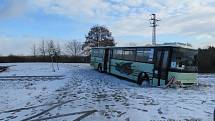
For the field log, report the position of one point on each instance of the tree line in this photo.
(49, 48)
(62, 59)
(50, 51)
(206, 60)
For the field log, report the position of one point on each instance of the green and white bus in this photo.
(156, 65)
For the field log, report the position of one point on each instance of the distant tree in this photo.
(57, 54)
(74, 48)
(34, 50)
(41, 49)
(98, 36)
(51, 50)
(206, 60)
(58, 49)
(50, 47)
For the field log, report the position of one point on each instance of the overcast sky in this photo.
(25, 22)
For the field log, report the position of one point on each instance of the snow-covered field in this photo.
(85, 94)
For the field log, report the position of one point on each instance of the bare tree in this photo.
(74, 47)
(57, 54)
(34, 50)
(58, 49)
(50, 47)
(51, 50)
(42, 50)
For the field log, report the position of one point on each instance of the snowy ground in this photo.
(85, 94)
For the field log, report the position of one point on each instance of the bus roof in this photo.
(156, 46)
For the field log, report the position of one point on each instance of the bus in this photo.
(152, 65)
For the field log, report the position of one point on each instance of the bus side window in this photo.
(92, 52)
(129, 54)
(114, 53)
(117, 53)
(95, 52)
(165, 60)
(100, 53)
(111, 53)
(139, 56)
(145, 55)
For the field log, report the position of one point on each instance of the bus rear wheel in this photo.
(143, 79)
(100, 68)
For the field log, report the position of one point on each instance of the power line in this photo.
(153, 22)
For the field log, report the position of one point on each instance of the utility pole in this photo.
(153, 22)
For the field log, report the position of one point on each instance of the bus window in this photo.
(165, 59)
(184, 60)
(95, 52)
(129, 54)
(145, 54)
(92, 52)
(140, 55)
(158, 59)
(117, 53)
(100, 53)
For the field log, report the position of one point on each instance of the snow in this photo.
(105, 97)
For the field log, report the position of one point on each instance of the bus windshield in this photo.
(184, 60)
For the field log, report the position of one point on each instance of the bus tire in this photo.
(142, 77)
(99, 68)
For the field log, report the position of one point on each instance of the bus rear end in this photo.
(96, 58)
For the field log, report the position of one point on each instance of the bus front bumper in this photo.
(185, 79)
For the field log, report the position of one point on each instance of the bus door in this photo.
(106, 59)
(161, 65)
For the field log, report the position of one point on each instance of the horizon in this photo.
(27, 22)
